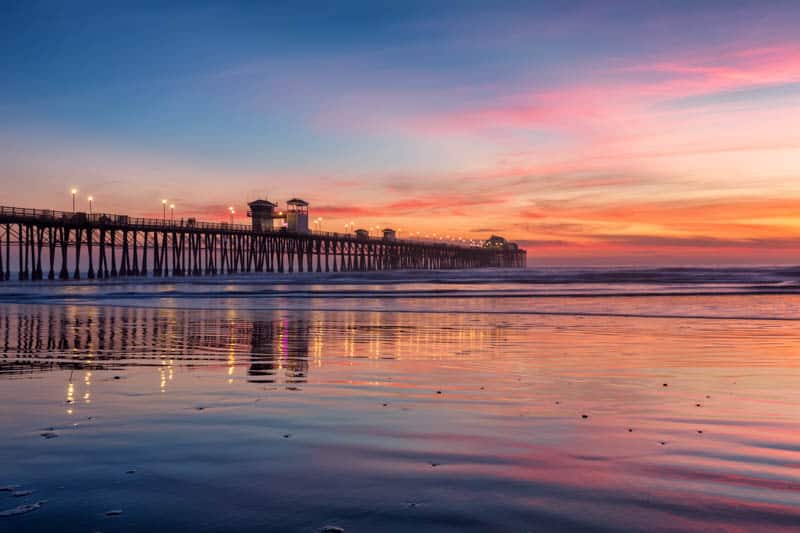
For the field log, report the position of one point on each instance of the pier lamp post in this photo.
(164, 205)
(91, 199)
(172, 212)
(232, 212)
(74, 192)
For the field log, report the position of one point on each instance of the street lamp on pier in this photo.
(232, 213)
(74, 192)
(172, 212)
(91, 199)
(164, 206)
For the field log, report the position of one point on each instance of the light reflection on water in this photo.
(380, 421)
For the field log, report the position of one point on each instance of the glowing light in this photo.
(70, 397)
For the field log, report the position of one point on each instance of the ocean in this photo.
(494, 400)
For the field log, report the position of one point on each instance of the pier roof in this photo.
(262, 203)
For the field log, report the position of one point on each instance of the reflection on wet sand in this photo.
(396, 421)
(275, 347)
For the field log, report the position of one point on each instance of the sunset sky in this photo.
(635, 132)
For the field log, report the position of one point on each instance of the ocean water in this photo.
(537, 400)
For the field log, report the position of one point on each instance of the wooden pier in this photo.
(69, 245)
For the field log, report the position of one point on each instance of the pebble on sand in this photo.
(22, 509)
(662, 442)
(131, 471)
(438, 392)
(117, 377)
(584, 416)
(287, 435)
(49, 434)
(665, 385)
(114, 512)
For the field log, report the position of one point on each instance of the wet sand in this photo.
(133, 418)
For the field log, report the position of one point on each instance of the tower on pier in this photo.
(262, 212)
(297, 215)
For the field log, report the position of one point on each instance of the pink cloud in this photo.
(612, 97)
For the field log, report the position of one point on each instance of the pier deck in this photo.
(55, 244)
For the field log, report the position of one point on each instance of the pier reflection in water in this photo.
(72, 338)
(267, 347)
(382, 421)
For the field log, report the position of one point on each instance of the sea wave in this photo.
(698, 293)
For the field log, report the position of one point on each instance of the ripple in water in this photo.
(368, 419)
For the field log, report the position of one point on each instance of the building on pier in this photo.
(297, 215)
(495, 241)
(500, 243)
(362, 234)
(262, 213)
(389, 234)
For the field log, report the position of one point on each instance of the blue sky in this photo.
(417, 114)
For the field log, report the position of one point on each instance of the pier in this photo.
(62, 245)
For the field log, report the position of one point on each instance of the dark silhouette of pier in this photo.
(68, 245)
